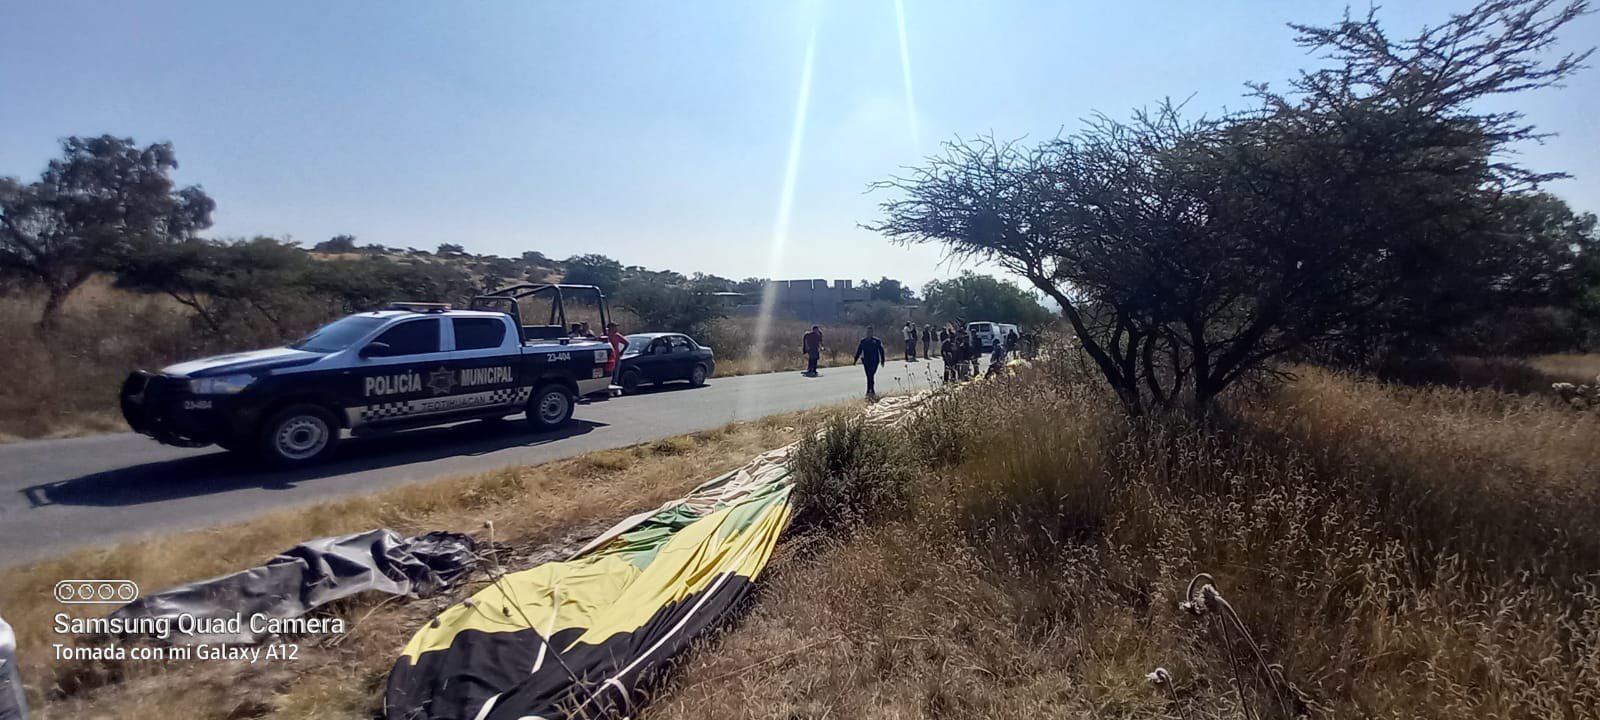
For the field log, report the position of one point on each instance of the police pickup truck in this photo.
(410, 365)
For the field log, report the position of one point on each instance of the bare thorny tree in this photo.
(1185, 254)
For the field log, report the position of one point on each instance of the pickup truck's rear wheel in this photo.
(550, 407)
(298, 435)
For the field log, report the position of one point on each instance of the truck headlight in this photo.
(221, 384)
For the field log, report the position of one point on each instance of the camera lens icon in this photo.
(94, 592)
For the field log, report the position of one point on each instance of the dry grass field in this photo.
(1393, 552)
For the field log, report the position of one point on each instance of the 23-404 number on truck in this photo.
(412, 365)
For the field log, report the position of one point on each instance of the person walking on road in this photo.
(909, 333)
(870, 354)
(927, 341)
(811, 345)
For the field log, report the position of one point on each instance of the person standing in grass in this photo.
(870, 354)
(811, 345)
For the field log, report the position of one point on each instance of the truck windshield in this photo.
(339, 334)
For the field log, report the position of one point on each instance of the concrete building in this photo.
(811, 300)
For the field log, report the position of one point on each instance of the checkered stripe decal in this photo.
(382, 411)
(511, 396)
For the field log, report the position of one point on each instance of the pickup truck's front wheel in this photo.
(298, 435)
(550, 407)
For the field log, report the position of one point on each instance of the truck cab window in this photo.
(413, 337)
(478, 333)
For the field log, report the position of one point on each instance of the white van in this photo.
(985, 333)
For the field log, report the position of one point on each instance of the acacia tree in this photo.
(889, 290)
(664, 304)
(970, 296)
(336, 244)
(103, 201)
(1187, 253)
(220, 281)
(592, 269)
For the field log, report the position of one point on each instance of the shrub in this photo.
(848, 473)
(939, 437)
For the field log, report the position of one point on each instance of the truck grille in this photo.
(144, 398)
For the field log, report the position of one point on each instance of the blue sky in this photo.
(656, 133)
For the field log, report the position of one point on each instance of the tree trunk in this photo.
(1205, 396)
(59, 291)
(277, 324)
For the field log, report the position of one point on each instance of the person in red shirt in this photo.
(619, 345)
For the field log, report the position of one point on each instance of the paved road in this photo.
(59, 495)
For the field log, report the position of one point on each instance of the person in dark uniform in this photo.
(997, 358)
(963, 357)
(927, 341)
(870, 354)
(947, 351)
(811, 345)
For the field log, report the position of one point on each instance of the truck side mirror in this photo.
(374, 348)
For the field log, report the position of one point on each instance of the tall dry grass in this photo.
(1394, 552)
(739, 353)
(66, 382)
